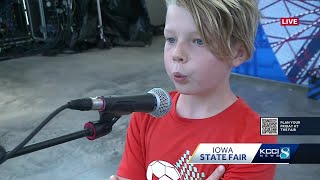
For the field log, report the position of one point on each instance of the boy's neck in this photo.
(205, 105)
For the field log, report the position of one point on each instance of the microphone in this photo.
(156, 102)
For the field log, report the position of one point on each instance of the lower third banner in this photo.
(256, 153)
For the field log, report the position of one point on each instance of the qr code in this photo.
(269, 126)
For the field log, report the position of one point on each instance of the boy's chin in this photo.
(195, 91)
(186, 91)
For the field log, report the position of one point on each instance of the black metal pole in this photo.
(92, 130)
(52, 142)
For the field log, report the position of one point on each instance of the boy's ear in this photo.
(239, 54)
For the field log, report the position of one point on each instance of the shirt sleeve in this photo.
(132, 165)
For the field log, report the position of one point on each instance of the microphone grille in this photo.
(163, 102)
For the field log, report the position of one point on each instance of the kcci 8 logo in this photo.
(282, 153)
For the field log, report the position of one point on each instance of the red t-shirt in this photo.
(167, 143)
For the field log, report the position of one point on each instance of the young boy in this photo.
(205, 39)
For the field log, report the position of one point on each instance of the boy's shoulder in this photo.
(249, 122)
(246, 116)
(241, 111)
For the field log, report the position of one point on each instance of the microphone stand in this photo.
(92, 130)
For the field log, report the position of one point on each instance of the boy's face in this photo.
(188, 62)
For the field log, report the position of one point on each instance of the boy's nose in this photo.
(179, 56)
(179, 59)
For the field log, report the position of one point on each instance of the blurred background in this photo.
(52, 51)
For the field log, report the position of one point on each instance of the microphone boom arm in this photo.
(92, 130)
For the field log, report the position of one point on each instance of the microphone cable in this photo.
(34, 132)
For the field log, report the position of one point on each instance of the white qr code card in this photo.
(268, 126)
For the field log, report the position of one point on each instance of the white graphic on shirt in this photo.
(162, 170)
(180, 171)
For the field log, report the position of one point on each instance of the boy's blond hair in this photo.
(223, 22)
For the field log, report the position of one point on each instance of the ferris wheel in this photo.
(297, 48)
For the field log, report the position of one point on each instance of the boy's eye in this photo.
(171, 40)
(199, 42)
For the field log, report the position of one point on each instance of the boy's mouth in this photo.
(179, 78)
(179, 75)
